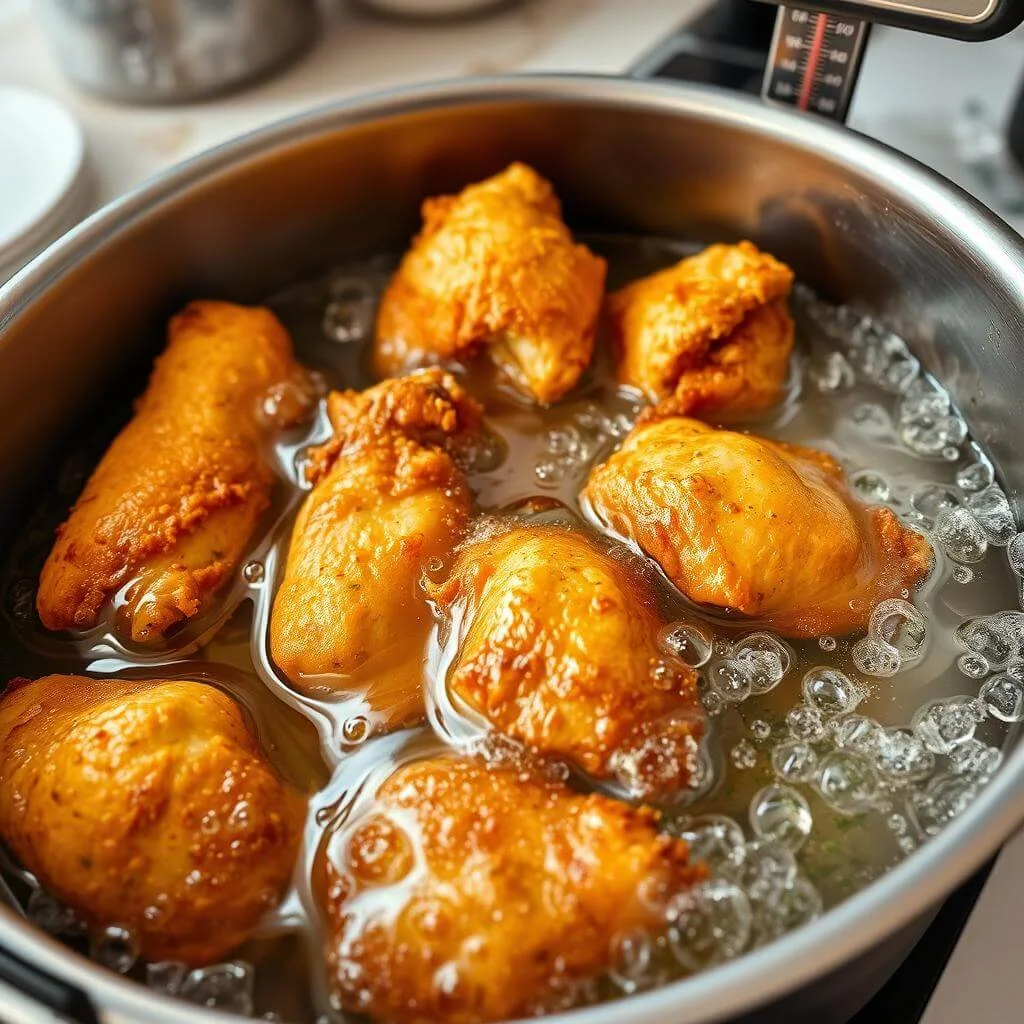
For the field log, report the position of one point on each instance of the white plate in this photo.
(43, 152)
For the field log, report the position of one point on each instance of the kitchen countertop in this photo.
(359, 52)
(356, 52)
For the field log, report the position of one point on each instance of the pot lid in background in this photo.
(43, 180)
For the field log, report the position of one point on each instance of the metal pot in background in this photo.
(170, 51)
(430, 10)
(855, 220)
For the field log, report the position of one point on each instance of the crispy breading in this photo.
(350, 614)
(495, 269)
(560, 652)
(148, 805)
(173, 503)
(757, 526)
(713, 331)
(470, 893)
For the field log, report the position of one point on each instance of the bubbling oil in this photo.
(827, 760)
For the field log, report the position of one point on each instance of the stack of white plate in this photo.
(43, 180)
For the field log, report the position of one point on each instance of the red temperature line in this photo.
(820, 28)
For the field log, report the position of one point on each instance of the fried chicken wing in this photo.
(173, 502)
(470, 893)
(147, 805)
(560, 653)
(495, 268)
(713, 331)
(764, 528)
(388, 497)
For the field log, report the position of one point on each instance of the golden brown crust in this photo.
(429, 409)
(469, 893)
(495, 268)
(713, 331)
(764, 528)
(350, 614)
(560, 653)
(148, 805)
(174, 500)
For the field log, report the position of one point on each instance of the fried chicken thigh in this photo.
(560, 653)
(495, 268)
(713, 331)
(757, 526)
(147, 805)
(388, 497)
(175, 499)
(471, 893)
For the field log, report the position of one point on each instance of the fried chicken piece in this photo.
(350, 614)
(560, 652)
(174, 501)
(148, 805)
(495, 268)
(469, 893)
(713, 330)
(764, 528)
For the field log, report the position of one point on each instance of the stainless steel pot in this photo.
(174, 51)
(854, 218)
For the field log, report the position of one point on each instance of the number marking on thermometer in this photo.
(814, 61)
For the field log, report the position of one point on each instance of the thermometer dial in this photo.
(814, 61)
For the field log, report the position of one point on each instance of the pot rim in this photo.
(864, 919)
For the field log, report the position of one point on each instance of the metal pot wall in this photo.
(854, 219)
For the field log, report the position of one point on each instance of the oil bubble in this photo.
(847, 782)
(688, 642)
(710, 923)
(115, 947)
(227, 986)
(945, 723)
(960, 535)
(902, 756)
(992, 512)
(830, 691)
(972, 665)
(1004, 698)
(857, 733)
(805, 723)
(715, 840)
(899, 624)
(731, 680)
(780, 813)
(744, 754)
(874, 657)
(765, 658)
(795, 761)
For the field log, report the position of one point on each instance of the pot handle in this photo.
(41, 990)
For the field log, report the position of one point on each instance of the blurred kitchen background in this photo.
(65, 149)
(907, 94)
